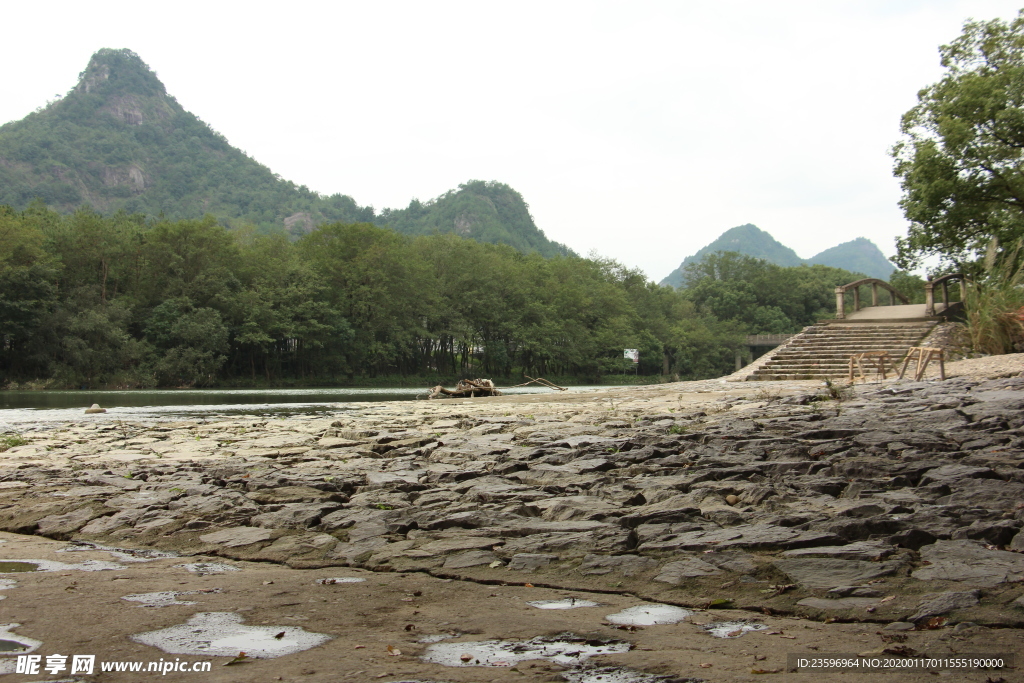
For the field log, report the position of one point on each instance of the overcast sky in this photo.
(636, 130)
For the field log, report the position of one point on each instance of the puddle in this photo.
(123, 554)
(732, 629)
(166, 598)
(222, 634)
(613, 674)
(649, 615)
(567, 603)
(204, 568)
(438, 637)
(339, 579)
(12, 567)
(567, 649)
(13, 643)
(7, 583)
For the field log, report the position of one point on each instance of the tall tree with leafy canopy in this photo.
(961, 159)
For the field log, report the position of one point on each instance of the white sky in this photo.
(639, 131)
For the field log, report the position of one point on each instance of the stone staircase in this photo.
(823, 351)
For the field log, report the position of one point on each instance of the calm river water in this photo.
(21, 410)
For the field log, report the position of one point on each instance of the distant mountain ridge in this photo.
(119, 141)
(858, 256)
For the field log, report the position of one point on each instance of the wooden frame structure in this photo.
(881, 362)
(925, 355)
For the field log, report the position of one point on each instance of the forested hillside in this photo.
(119, 141)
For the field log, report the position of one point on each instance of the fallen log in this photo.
(467, 388)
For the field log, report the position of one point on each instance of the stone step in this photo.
(824, 351)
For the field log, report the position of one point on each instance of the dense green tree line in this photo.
(89, 300)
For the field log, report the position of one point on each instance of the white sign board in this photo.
(631, 354)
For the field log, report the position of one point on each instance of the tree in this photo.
(961, 160)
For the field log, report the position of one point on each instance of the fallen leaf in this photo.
(242, 657)
(393, 651)
(705, 665)
(765, 671)
(406, 599)
(280, 635)
(887, 599)
(359, 647)
(528, 585)
(933, 623)
(760, 658)
(789, 637)
(466, 658)
(496, 563)
(409, 627)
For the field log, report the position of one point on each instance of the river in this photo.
(22, 410)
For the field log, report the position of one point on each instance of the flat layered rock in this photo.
(813, 572)
(970, 563)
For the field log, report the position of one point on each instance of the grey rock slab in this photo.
(853, 592)
(298, 546)
(970, 563)
(731, 561)
(954, 474)
(566, 508)
(627, 565)
(104, 525)
(470, 558)
(237, 536)
(67, 523)
(938, 604)
(838, 603)
(819, 572)
(753, 536)
(691, 567)
(861, 550)
(294, 515)
(291, 494)
(530, 561)
(447, 546)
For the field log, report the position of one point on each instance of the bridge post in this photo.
(856, 299)
(929, 299)
(840, 304)
(874, 294)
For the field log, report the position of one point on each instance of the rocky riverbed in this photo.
(825, 519)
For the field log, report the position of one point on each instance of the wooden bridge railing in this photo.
(929, 291)
(855, 286)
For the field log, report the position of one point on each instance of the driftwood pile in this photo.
(471, 388)
(467, 388)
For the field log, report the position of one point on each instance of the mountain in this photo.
(746, 239)
(858, 256)
(119, 141)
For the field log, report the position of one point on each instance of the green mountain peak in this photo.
(119, 141)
